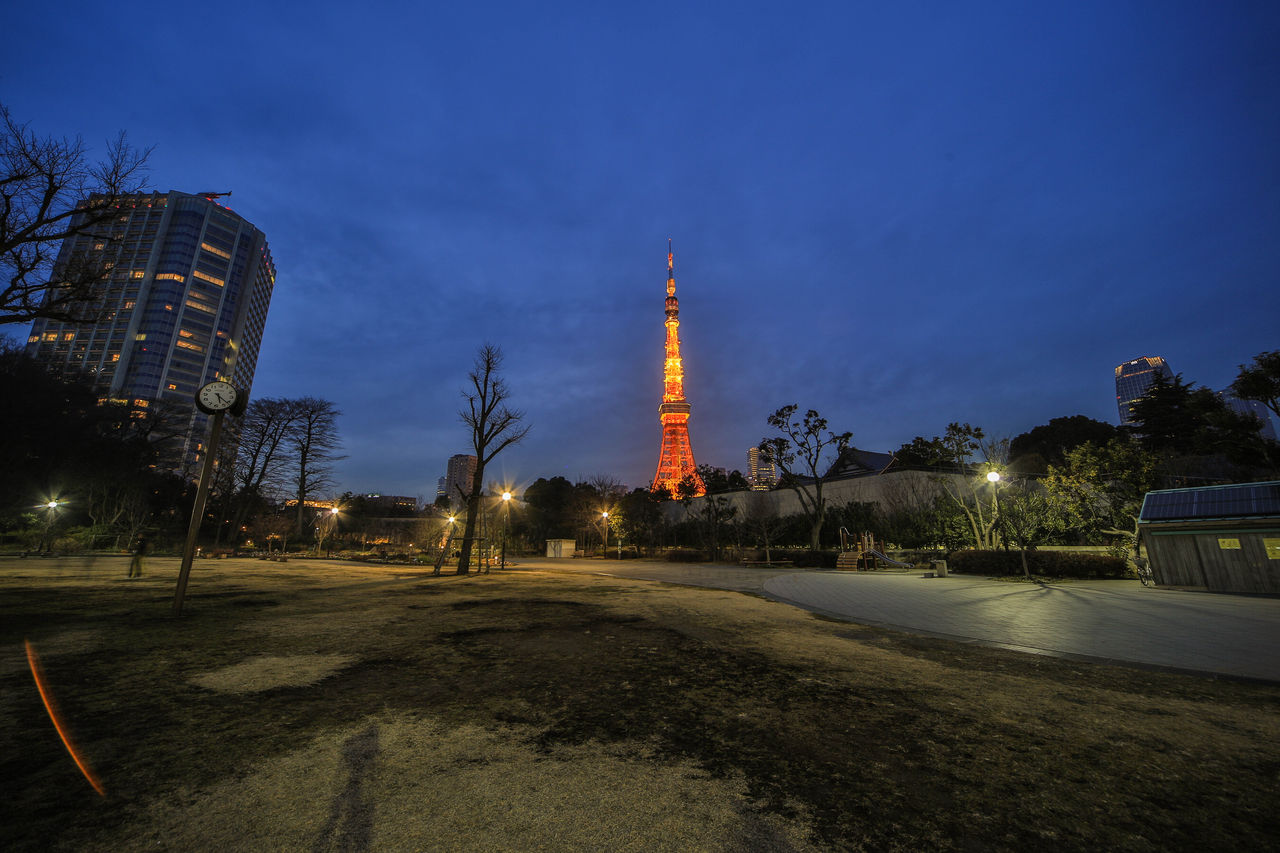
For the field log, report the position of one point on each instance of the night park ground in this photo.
(316, 705)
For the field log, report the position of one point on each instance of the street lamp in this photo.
(444, 547)
(993, 477)
(506, 516)
(51, 512)
(333, 528)
(605, 516)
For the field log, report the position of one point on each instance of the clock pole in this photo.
(197, 512)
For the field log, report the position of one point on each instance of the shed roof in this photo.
(1241, 500)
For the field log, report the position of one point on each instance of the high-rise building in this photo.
(1133, 378)
(458, 477)
(675, 458)
(762, 474)
(1250, 407)
(184, 303)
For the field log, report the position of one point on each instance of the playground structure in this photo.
(864, 553)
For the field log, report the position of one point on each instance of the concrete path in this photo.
(1235, 635)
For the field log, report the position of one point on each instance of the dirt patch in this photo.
(406, 783)
(271, 671)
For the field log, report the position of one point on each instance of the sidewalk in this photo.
(1233, 635)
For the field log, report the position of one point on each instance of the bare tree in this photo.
(494, 427)
(311, 439)
(761, 518)
(804, 456)
(50, 192)
(258, 470)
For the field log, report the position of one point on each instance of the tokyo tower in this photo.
(675, 460)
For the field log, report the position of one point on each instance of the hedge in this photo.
(1053, 564)
(811, 559)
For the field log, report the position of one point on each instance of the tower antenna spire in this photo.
(675, 458)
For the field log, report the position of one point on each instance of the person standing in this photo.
(135, 565)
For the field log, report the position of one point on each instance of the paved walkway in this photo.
(1235, 635)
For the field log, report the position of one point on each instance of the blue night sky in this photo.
(900, 214)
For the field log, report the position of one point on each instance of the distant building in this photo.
(391, 504)
(185, 301)
(441, 488)
(458, 477)
(1133, 378)
(1250, 407)
(860, 463)
(762, 474)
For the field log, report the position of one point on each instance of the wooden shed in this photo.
(1219, 538)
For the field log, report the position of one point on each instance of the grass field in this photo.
(327, 706)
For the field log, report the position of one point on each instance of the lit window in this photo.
(184, 333)
(129, 304)
(190, 346)
(98, 247)
(206, 277)
(215, 250)
(200, 306)
(34, 338)
(137, 274)
(115, 356)
(173, 387)
(141, 404)
(68, 336)
(141, 336)
(171, 276)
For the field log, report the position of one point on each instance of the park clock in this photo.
(220, 396)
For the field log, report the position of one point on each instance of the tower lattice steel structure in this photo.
(675, 460)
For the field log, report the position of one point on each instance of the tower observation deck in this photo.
(675, 459)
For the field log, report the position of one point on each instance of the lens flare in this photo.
(34, 660)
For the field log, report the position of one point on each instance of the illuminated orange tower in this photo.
(675, 461)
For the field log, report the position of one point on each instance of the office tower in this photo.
(442, 488)
(761, 474)
(458, 477)
(184, 302)
(1250, 407)
(1133, 378)
(675, 458)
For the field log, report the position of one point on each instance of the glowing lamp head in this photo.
(452, 519)
(993, 477)
(333, 511)
(506, 496)
(52, 504)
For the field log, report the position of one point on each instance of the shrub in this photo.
(1053, 564)
(685, 555)
(814, 559)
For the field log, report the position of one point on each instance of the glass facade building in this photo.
(1133, 378)
(184, 302)
(1252, 408)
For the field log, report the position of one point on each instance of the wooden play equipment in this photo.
(864, 553)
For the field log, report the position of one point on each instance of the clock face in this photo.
(217, 396)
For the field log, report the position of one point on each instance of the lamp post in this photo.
(332, 529)
(605, 517)
(506, 516)
(51, 512)
(993, 477)
(444, 549)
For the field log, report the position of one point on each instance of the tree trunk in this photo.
(1022, 552)
(473, 513)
